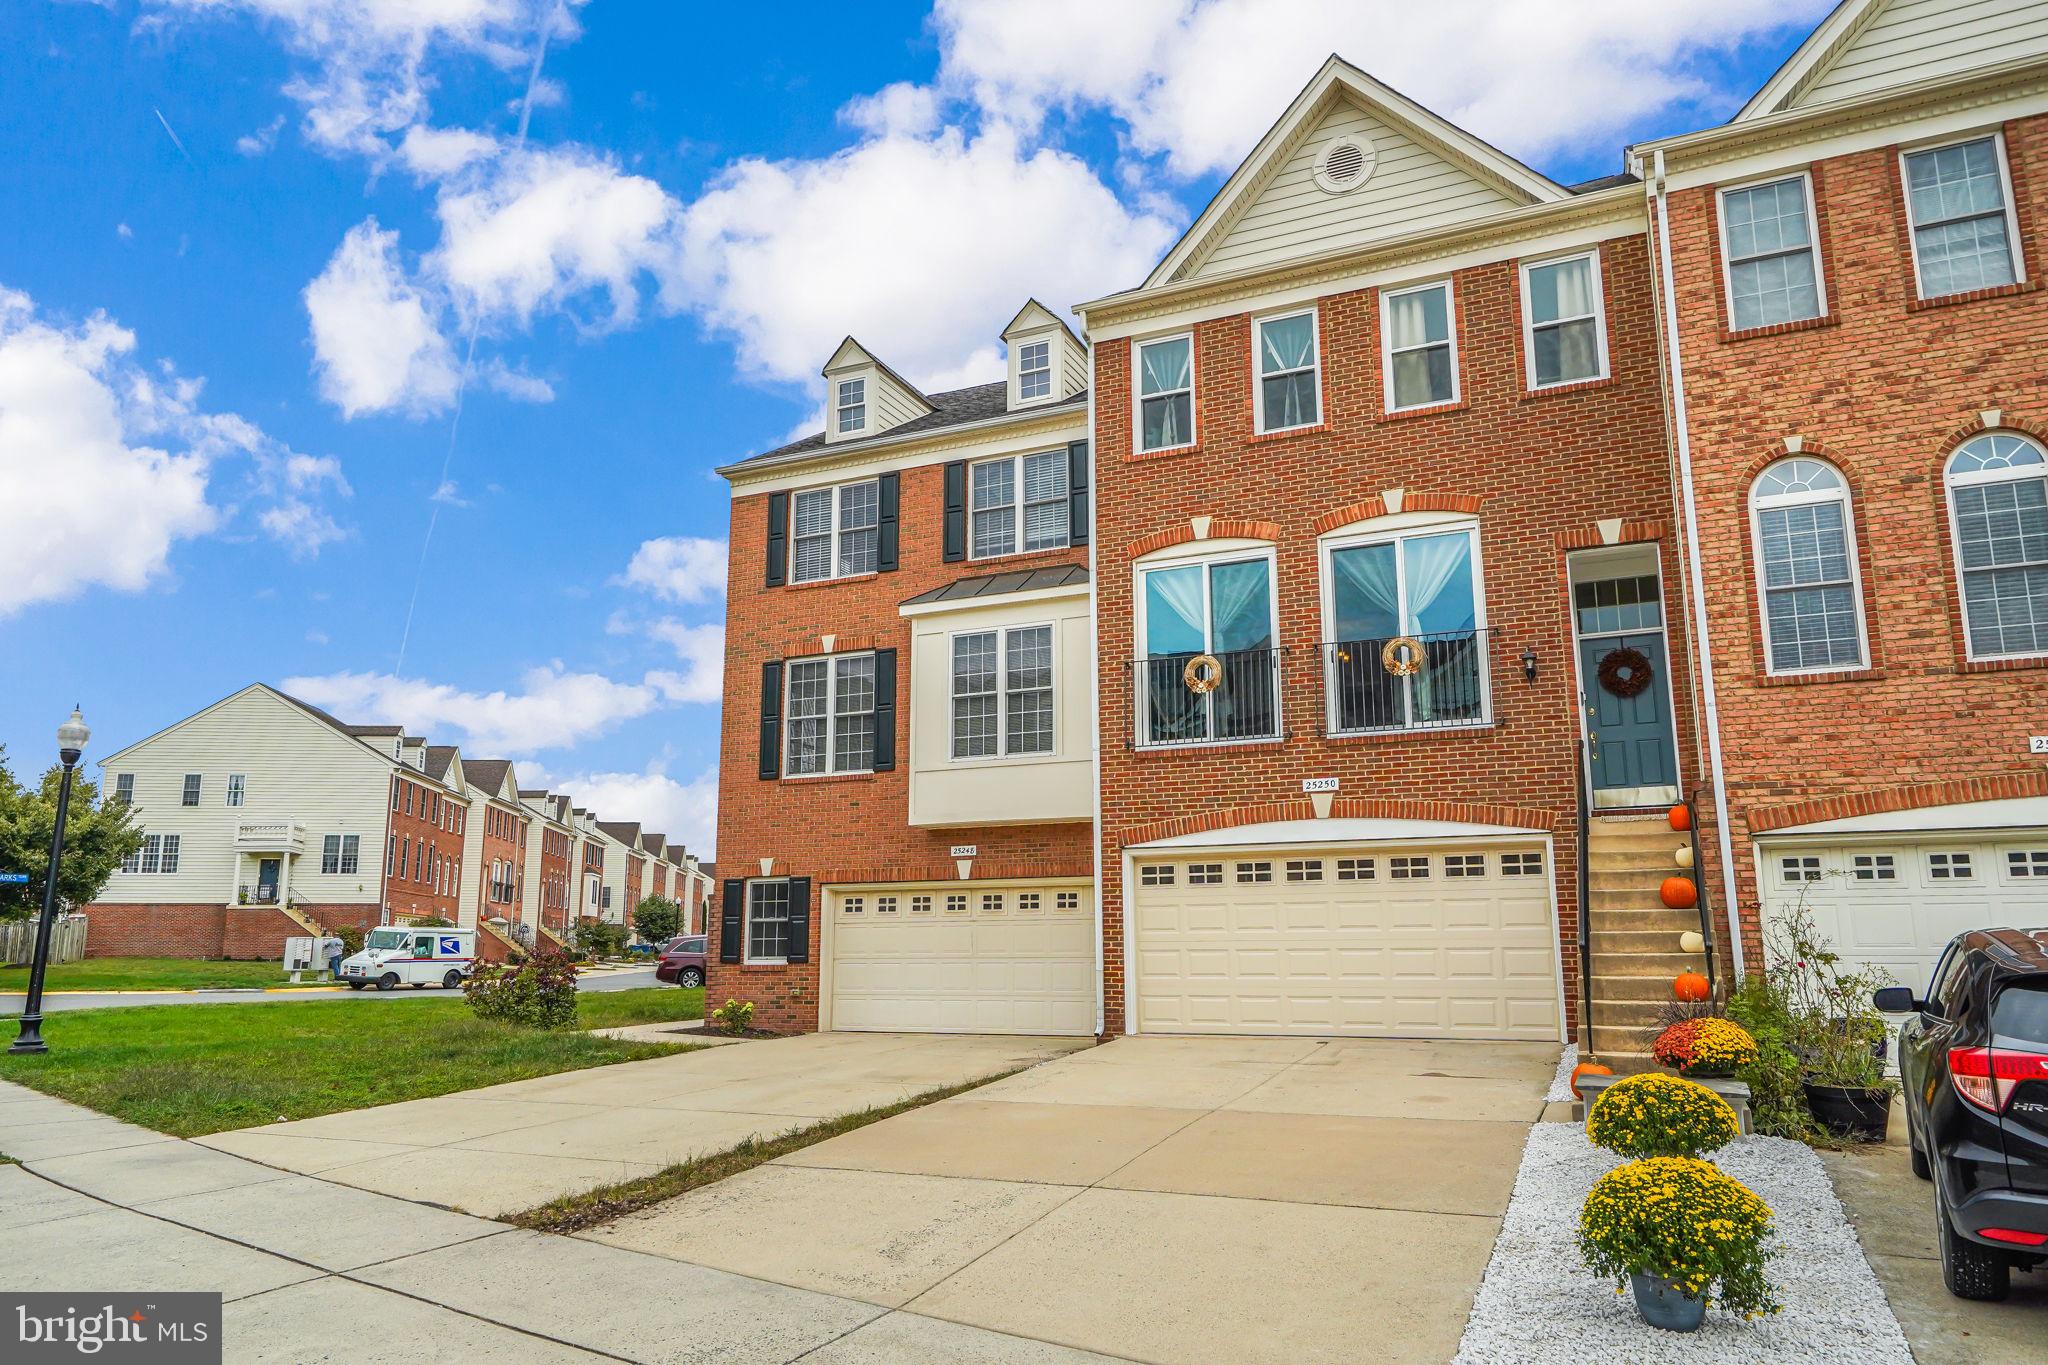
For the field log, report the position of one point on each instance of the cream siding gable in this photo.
(891, 400)
(1881, 44)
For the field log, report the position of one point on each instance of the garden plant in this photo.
(1680, 1223)
(537, 993)
(1706, 1046)
(1654, 1115)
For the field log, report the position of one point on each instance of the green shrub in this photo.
(537, 993)
(734, 1016)
(351, 940)
(1658, 1115)
(1777, 1101)
(658, 919)
(432, 922)
(600, 937)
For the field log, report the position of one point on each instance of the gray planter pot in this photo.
(1664, 1305)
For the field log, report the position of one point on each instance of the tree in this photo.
(658, 919)
(96, 838)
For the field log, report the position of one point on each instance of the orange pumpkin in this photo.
(1690, 987)
(1588, 1069)
(1678, 893)
(1681, 817)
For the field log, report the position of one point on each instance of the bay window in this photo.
(1406, 641)
(1165, 391)
(1998, 514)
(1002, 692)
(1018, 503)
(835, 532)
(1287, 391)
(1210, 670)
(831, 720)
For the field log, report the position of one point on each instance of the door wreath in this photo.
(1202, 674)
(1625, 671)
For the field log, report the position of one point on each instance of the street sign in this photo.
(13, 879)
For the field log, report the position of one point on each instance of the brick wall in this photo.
(502, 843)
(1541, 469)
(438, 829)
(1885, 388)
(250, 932)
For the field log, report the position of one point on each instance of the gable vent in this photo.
(1346, 163)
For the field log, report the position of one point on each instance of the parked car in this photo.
(396, 955)
(682, 961)
(1973, 1062)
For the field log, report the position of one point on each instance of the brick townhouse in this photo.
(1345, 688)
(494, 848)
(550, 844)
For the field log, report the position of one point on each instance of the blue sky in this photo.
(257, 250)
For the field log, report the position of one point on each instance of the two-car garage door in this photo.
(1437, 940)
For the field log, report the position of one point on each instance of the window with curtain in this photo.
(830, 715)
(1002, 692)
(1288, 394)
(1423, 586)
(853, 404)
(1421, 362)
(1768, 241)
(834, 532)
(1562, 301)
(1962, 228)
(1806, 566)
(1224, 608)
(1018, 502)
(1166, 392)
(1998, 513)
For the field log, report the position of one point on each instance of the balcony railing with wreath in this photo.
(1434, 681)
(1222, 698)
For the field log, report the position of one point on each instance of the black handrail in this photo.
(1585, 905)
(1699, 882)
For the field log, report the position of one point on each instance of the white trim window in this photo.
(1287, 392)
(1424, 586)
(236, 789)
(1564, 320)
(1770, 262)
(190, 796)
(1807, 580)
(1017, 503)
(1959, 205)
(834, 532)
(1165, 392)
(1419, 356)
(1034, 371)
(341, 854)
(851, 405)
(767, 936)
(124, 788)
(1998, 515)
(159, 854)
(830, 725)
(1225, 609)
(1003, 693)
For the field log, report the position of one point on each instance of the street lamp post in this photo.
(71, 738)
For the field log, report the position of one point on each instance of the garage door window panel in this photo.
(1804, 539)
(1223, 610)
(1387, 597)
(1998, 505)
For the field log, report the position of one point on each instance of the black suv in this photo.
(1973, 1061)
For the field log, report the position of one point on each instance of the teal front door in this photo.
(1632, 753)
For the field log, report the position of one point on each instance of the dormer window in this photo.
(853, 405)
(1034, 371)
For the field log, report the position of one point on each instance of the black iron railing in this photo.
(1585, 910)
(1434, 681)
(1697, 873)
(1243, 704)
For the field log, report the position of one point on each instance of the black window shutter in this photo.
(888, 503)
(956, 511)
(885, 710)
(1077, 493)
(778, 538)
(771, 720)
(799, 920)
(732, 921)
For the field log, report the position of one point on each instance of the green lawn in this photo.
(195, 1069)
(147, 974)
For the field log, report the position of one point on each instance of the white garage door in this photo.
(962, 959)
(1898, 902)
(1431, 941)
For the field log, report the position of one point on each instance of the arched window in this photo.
(1998, 507)
(1806, 567)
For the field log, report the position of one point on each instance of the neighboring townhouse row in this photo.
(1318, 646)
(264, 817)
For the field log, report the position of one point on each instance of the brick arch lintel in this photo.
(1809, 448)
(1343, 808)
(1411, 501)
(1220, 528)
(1977, 426)
(1920, 796)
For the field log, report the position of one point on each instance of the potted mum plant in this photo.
(1658, 1115)
(1709, 1048)
(1681, 1235)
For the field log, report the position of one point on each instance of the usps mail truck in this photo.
(396, 955)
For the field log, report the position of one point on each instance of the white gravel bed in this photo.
(1539, 1303)
(1561, 1083)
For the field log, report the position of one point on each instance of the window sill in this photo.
(1560, 390)
(2003, 291)
(1426, 410)
(867, 776)
(2002, 665)
(1731, 337)
(1022, 556)
(1134, 455)
(832, 582)
(1203, 745)
(1417, 732)
(762, 962)
(1839, 675)
(1287, 434)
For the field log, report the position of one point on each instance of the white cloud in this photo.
(262, 140)
(431, 153)
(685, 811)
(702, 651)
(377, 344)
(902, 108)
(514, 383)
(552, 708)
(679, 568)
(111, 463)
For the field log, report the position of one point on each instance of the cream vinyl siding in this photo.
(1429, 957)
(1917, 40)
(975, 967)
(295, 768)
(1411, 188)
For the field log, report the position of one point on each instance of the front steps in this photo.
(1633, 936)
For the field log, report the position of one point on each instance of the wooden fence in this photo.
(18, 940)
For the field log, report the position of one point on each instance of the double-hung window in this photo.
(1019, 503)
(834, 532)
(1406, 616)
(351, 854)
(1034, 371)
(1287, 392)
(1960, 209)
(852, 405)
(1806, 567)
(831, 716)
(1421, 359)
(236, 788)
(1566, 337)
(171, 845)
(191, 794)
(1002, 692)
(1210, 671)
(330, 854)
(1166, 392)
(767, 921)
(1998, 512)
(124, 788)
(1767, 240)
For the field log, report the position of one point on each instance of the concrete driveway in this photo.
(1157, 1198)
(506, 1148)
